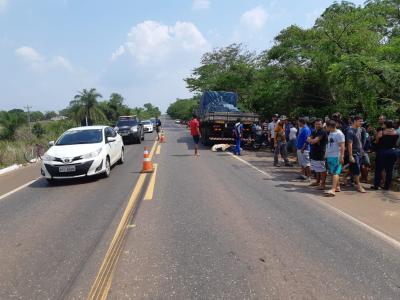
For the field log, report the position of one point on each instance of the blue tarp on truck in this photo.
(218, 102)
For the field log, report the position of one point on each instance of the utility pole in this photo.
(29, 117)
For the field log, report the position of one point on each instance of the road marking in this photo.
(102, 283)
(250, 165)
(18, 188)
(150, 189)
(395, 243)
(152, 150)
(158, 150)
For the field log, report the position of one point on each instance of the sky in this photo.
(51, 49)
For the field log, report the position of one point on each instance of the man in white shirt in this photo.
(271, 130)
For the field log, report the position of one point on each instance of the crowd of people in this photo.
(337, 146)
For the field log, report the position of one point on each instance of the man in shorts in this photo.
(318, 141)
(355, 149)
(303, 150)
(334, 156)
(158, 128)
(194, 125)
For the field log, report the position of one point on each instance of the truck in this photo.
(218, 114)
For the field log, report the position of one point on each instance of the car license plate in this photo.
(124, 133)
(67, 169)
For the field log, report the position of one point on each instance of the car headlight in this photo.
(47, 157)
(92, 154)
(134, 129)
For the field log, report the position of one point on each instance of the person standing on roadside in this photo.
(386, 155)
(271, 131)
(238, 134)
(318, 141)
(335, 156)
(194, 125)
(303, 150)
(280, 145)
(291, 145)
(355, 150)
(158, 127)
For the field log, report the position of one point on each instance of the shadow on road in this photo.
(44, 184)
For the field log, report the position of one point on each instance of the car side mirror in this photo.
(51, 143)
(111, 139)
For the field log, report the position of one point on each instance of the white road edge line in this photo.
(18, 188)
(395, 243)
(250, 165)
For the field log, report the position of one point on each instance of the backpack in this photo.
(235, 131)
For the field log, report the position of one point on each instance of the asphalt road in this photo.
(217, 229)
(54, 237)
(214, 229)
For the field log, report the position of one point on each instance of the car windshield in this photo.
(123, 123)
(74, 137)
(146, 123)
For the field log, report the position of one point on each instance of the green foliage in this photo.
(85, 107)
(349, 61)
(50, 114)
(183, 108)
(38, 130)
(9, 123)
(146, 112)
(36, 116)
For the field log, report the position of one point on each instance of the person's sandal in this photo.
(329, 194)
(361, 190)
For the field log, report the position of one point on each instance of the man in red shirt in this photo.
(195, 132)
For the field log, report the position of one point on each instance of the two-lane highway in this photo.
(208, 227)
(54, 237)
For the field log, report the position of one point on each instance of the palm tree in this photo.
(88, 105)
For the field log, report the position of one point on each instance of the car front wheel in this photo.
(107, 171)
(122, 158)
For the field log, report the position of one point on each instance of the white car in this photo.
(83, 151)
(147, 126)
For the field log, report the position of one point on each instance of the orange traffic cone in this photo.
(162, 138)
(147, 164)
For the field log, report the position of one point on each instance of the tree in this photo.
(225, 69)
(50, 114)
(36, 116)
(10, 122)
(86, 106)
(183, 108)
(38, 130)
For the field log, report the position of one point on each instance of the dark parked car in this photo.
(130, 130)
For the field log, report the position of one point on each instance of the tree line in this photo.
(86, 108)
(349, 61)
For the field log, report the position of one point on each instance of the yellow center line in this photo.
(153, 149)
(152, 183)
(102, 283)
(158, 150)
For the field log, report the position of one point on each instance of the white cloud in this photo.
(254, 19)
(28, 54)
(152, 41)
(120, 51)
(39, 62)
(201, 4)
(3, 5)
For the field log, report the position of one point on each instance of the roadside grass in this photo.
(13, 151)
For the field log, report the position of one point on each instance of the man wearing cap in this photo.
(271, 131)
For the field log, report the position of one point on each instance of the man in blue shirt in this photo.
(238, 134)
(303, 150)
